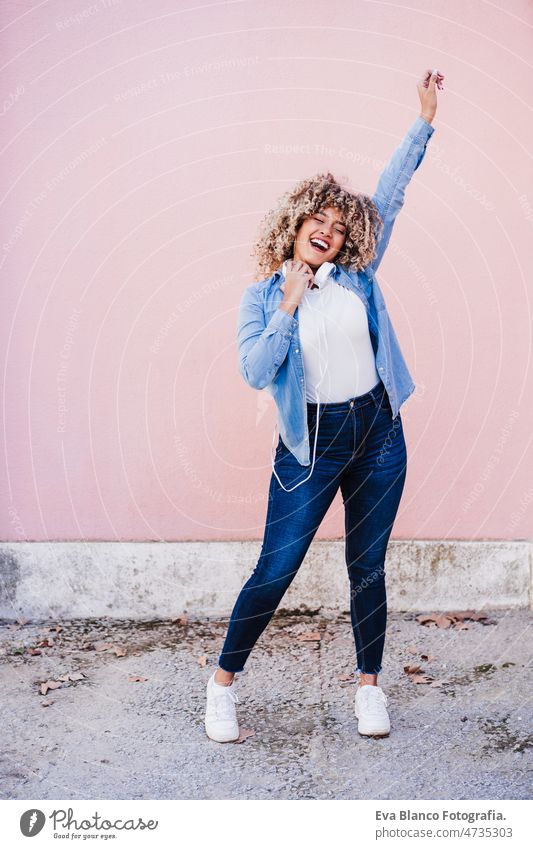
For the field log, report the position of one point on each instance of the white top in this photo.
(338, 357)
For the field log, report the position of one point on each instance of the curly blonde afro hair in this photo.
(280, 225)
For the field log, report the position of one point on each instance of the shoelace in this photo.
(222, 705)
(372, 699)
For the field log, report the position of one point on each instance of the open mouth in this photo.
(319, 245)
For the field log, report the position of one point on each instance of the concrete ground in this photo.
(102, 735)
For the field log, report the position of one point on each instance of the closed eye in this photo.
(322, 222)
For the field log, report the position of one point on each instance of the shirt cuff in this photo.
(283, 321)
(421, 129)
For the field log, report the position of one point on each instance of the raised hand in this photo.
(427, 91)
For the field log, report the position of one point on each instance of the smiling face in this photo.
(320, 237)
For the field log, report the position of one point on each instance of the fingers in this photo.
(429, 74)
(428, 78)
(303, 268)
(298, 265)
(430, 71)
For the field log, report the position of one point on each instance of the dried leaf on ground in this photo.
(44, 686)
(71, 676)
(181, 620)
(454, 618)
(428, 657)
(202, 659)
(424, 618)
(244, 733)
(119, 651)
(417, 674)
(47, 703)
(412, 649)
(463, 614)
(135, 678)
(439, 682)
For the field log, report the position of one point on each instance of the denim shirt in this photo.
(269, 350)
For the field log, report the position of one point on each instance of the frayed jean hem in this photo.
(242, 671)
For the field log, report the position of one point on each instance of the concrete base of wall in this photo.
(49, 580)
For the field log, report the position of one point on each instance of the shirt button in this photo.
(297, 350)
(301, 380)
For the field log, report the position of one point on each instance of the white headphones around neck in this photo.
(320, 277)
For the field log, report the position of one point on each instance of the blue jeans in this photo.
(360, 448)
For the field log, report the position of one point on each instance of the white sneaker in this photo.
(370, 709)
(220, 715)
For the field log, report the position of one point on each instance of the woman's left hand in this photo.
(427, 92)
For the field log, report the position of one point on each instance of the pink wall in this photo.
(141, 147)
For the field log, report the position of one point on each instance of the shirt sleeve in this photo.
(390, 192)
(262, 347)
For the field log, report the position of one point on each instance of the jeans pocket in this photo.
(385, 406)
(280, 449)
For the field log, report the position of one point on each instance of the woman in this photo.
(317, 335)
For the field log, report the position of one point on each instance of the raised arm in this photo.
(390, 193)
